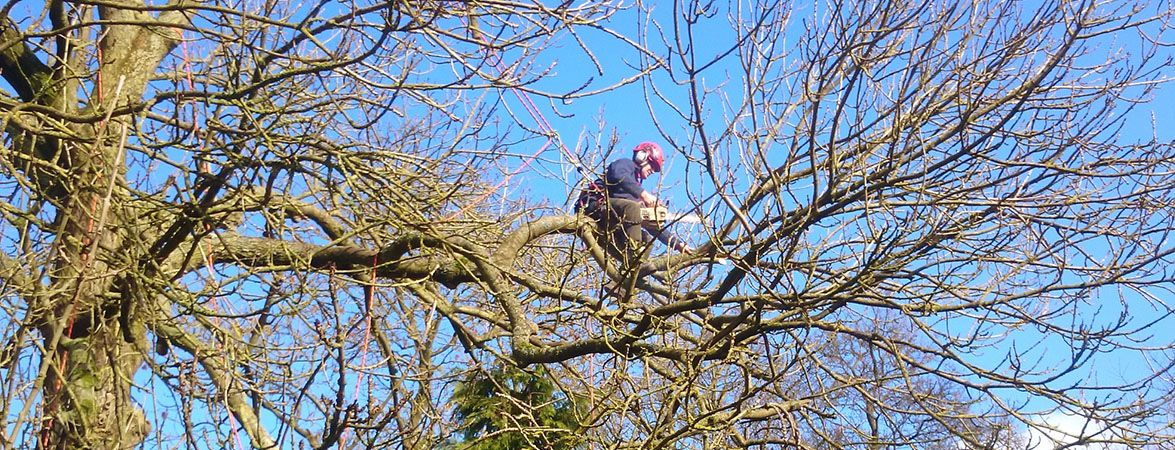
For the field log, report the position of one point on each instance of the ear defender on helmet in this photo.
(649, 152)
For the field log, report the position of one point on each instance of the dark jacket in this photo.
(622, 180)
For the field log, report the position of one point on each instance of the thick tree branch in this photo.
(19, 66)
(253, 252)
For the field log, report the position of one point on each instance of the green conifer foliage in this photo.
(510, 408)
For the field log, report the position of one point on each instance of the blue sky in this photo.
(632, 111)
(629, 113)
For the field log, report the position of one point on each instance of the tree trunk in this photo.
(91, 361)
(87, 393)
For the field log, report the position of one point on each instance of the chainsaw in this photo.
(660, 215)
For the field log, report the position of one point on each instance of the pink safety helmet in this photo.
(648, 151)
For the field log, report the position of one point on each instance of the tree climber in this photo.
(615, 201)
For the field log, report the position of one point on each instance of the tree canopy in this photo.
(319, 224)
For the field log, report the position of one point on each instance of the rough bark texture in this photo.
(74, 148)
(293, 224)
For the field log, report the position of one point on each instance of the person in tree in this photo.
(615, 200)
